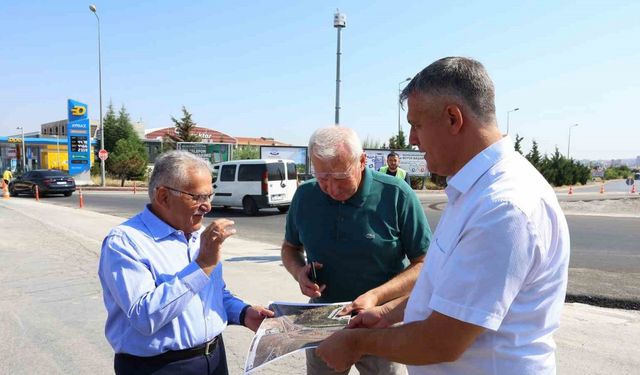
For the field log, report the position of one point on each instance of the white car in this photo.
(254, 184)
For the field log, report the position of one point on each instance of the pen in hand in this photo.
(312, 274)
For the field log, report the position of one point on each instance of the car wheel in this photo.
(249, 206)
(283, 209)
(12, 191)
(68, 193)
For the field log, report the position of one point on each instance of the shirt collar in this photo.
(158, 228)
(467, 176)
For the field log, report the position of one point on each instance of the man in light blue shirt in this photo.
(161, 276)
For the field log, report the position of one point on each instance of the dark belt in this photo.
(177, 355)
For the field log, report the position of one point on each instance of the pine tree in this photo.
(518, 144)
(185, 127)
(534, 156)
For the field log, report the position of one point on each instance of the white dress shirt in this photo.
(499, 259)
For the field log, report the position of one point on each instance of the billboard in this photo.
(411, 161)
(296, 153)
(79, 138)
(212, 152)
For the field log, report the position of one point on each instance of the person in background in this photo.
(392, 168)
(7, 176)
(167, 302)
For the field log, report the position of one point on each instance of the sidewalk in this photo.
(52, 300)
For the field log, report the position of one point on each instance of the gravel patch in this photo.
(623, 207)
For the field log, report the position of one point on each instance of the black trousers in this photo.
(213, 364)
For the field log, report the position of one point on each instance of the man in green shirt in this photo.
(365, 233)
(393, 168)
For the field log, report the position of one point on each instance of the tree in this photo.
(246, 152)
(371, 143)
(185, 127)
(399, 142)
(110, 123)
(128, 160)
(534, 156)
(518, 144)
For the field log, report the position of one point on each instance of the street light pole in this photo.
(569, 144)
(102, 174)
(339, 22)
(513, 110)
(24, 150)
(399, 107)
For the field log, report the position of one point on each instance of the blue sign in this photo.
(79, 137)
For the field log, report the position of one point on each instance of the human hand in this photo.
(255, 315)
(370, 318)
(340, 350)
(211, 240)
(307, 286)
(364, 301)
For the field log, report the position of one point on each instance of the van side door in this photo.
(224, 185)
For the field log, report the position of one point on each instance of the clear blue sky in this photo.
(267, 68)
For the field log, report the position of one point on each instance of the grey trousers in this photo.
(367, 365)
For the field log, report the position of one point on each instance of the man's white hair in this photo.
(325, 143)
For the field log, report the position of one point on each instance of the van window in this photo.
(292, 172)
(250, 172)
(276, 171)
(216, 170)
(228, 173)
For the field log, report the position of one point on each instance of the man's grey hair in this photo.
(173, 168)
(460, 77)
(325, 142)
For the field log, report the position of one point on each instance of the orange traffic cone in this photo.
(570, 189)
(633, 189)
(602, 189)
(81, 199)
(134, 187)
(37, 193)
(5, 191)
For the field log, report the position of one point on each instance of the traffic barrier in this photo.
(633, 189)
(570, 189)
(81, 199)
(602, 189)
(134, 187)
(37, 193)
(5, 191)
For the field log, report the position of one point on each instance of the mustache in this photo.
(201, 211)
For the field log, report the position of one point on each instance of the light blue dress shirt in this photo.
(157, 297)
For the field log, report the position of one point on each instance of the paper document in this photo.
(295, 327)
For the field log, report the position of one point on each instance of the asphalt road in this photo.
(609, 244)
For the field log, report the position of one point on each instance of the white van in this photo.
(254, 184)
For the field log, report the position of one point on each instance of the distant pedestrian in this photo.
(167, 303)
(393, 168)
(7, 176)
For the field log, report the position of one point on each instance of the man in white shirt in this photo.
(490, 294)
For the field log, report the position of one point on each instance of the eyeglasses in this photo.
(198, 198)
(335, 175)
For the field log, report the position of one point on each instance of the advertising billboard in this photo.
(213, 152)
(411, 161)
(296, 153)
(79, 141)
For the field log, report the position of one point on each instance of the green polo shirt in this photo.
(362, 242)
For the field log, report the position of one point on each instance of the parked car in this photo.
(49, 181)
(255, 184)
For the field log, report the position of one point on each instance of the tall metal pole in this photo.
(569, 144)
(102, 172)
(399, 107)
(339, 22)
(24, 151)
(513, 110)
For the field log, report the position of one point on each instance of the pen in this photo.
(312, 275)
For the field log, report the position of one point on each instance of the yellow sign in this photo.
(78, 110)
(14, 140)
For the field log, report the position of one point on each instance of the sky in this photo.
(268, 68)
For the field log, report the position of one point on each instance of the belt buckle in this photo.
(210, 346)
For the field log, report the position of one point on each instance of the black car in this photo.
(49, 181)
